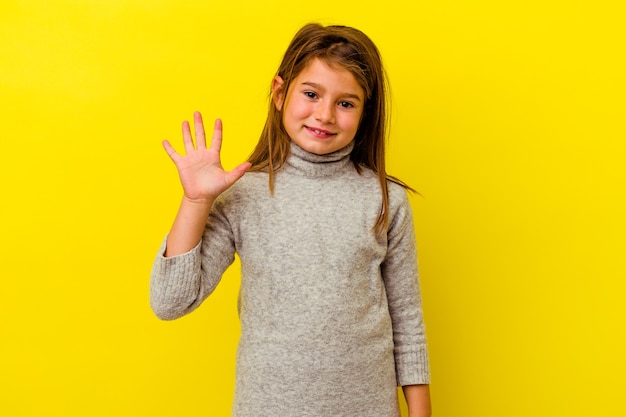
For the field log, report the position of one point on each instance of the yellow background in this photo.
(509, 118)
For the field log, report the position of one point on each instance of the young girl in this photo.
(330, 309)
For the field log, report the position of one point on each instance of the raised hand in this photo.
(200, 170)
(203, 179)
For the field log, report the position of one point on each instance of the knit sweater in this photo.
(331, 317)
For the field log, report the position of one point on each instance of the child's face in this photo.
(322, 109)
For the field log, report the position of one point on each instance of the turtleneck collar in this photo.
(314, 165)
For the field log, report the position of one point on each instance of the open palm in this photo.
(200, 170)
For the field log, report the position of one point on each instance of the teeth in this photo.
(319, 132)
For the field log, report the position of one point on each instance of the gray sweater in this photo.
(331, 317)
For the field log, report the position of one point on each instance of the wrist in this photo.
(198, 202)
(418, 400)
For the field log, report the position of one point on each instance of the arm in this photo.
(189, 265)
(400, 274)
(418, 400)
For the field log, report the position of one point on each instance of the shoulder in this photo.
(397, 194)
(398, 200)
(400, 212)
(251, 182)
(247, 188)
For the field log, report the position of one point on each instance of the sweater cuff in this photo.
(412, 368)
(173, 282)
(183, 265)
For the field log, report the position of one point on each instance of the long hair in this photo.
(344, 48)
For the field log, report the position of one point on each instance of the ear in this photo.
(277, 92)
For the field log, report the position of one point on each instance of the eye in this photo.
(310, 94)
(346, 104)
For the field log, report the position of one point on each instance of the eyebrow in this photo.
(319, 87)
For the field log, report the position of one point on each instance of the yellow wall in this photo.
(509, 118)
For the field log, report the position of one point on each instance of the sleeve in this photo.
(400, 275)
(179, 284)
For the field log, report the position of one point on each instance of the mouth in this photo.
(319, 133)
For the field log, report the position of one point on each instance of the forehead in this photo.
(331, 78)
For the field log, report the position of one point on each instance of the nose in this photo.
(325, 112)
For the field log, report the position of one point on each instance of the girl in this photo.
(330, 308)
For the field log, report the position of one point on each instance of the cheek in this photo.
(351, 122)
(297, 110)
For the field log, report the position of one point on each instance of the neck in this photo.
(314, 165)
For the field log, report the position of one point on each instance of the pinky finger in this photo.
(171, 152)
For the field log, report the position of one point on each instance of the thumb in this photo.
(238, 172)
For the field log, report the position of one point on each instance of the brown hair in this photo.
(346, 48)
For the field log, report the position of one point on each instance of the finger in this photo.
(171, 152)
(199, 128)
(187, 139)
(238, 172)
(216, 141)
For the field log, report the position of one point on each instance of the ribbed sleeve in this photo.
(179, 284)
(400, 275)
(412, 367)
(174, 283)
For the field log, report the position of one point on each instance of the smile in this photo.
(319, 132)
